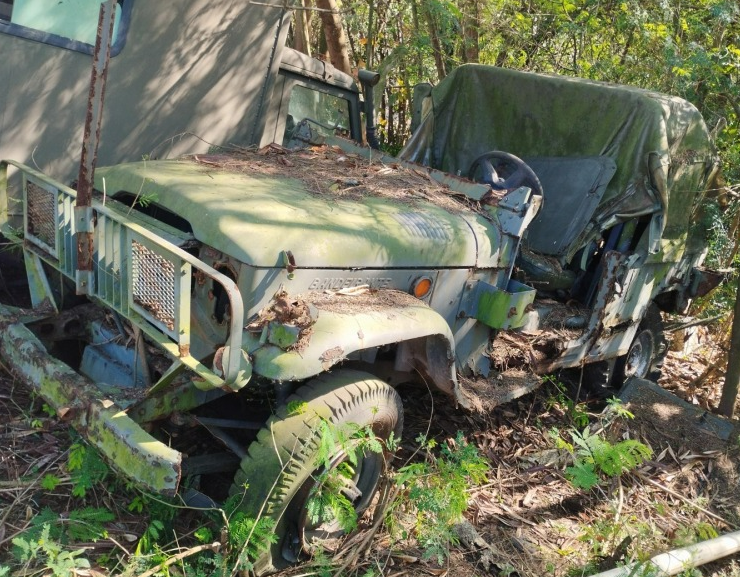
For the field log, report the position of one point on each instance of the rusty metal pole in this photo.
(732, 376)
(91, 138)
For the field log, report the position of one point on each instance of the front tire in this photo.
(281, 467)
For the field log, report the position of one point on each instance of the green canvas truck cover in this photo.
(664, 156)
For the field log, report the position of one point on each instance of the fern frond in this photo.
(87, 524)
(582, 475)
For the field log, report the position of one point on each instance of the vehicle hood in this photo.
(254, 218)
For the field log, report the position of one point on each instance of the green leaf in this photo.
(582, 475)
(76, 456)
(50, 482)
(203, 534)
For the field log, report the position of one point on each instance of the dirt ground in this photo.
(528, 519)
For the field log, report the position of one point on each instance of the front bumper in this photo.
(77, 400)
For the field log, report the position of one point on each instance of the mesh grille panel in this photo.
(42, 214)
(153, 284)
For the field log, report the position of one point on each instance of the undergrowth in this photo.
(429, 494)
(430, 497)
(595, 457)
(49, 554)
(329, 500)
(435, 494)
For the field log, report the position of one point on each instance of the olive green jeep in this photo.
(238, 297)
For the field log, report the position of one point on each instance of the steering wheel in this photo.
(504, 171)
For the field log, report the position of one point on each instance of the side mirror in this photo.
(368, 77)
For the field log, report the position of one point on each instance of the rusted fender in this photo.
(335, 335)
(129, 448)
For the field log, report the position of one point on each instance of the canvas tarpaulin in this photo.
(660, 144)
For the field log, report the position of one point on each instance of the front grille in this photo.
(42, 214)
(153, 284)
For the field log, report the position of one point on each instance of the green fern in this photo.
(327, 501)
(50, 554)
(436, 492)
(576, 412)
(148, 541)
(321, 565)
(595, 456)
(616, 407)
(86, 468)
(87, 524)
(249, 538)
(50, 482)
(582, 475)
(80, 525)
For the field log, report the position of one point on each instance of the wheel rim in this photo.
(360, 490)
(640, 356)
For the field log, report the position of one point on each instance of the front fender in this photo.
(377, 321)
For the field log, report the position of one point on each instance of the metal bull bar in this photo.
(140, 275)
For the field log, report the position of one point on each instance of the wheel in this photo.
(281, 470)
(504, 171)
(646, 354)
(593, 380)
(597, 378)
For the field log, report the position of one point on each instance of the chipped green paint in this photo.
(503, 309)
(336, 335)
(283, 336)
(671, 250)
(181, 398)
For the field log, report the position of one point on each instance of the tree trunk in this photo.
(370, 36)
(732, 376)
(471, 20)
(417, 33)
(390, 127)
(336, 42)
(301, 34)
(439, 60)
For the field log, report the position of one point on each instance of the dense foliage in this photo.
(690, 49)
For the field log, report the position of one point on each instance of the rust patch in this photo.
(91, 135)
(285, 310)
(331, 357)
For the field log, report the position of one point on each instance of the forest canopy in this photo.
(689, 49)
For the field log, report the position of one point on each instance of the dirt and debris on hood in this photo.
(328, 171)
(360, 299)
(287, 321)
